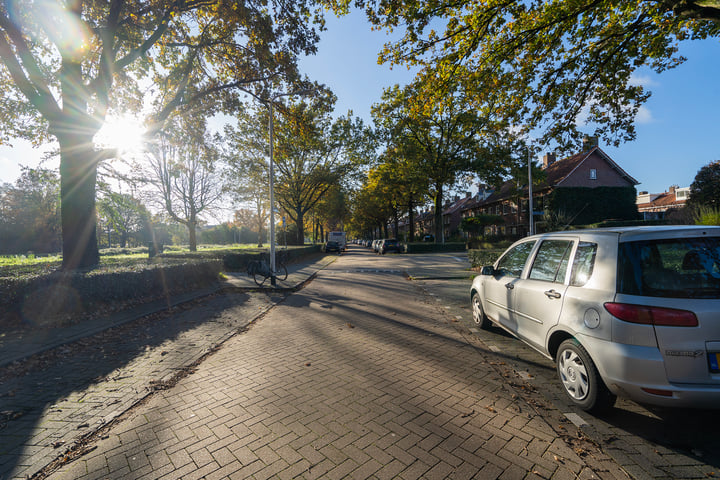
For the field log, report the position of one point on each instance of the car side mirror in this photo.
(487, 270)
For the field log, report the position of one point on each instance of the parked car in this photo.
(631, 312)
(376, 245)
(390, 245)
(333, 246)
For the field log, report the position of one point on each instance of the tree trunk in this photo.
(396, 224)
(78, 175)
(439, 227)
(192, 235)
(261, 230)
(411, 219)
(300, 223)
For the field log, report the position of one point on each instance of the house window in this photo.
(593, 174)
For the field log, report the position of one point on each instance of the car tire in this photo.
(478, 313)
(580, 378)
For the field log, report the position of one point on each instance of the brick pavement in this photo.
(357, 376)
(647, 443)
(72, 391)
(58, 386)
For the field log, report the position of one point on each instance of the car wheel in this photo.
(478, 313)
(580, 378)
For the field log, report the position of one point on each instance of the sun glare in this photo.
(123, 133)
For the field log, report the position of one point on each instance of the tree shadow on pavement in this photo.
(53, 398)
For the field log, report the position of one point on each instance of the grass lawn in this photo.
(110, 258)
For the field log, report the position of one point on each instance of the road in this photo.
(648, 442)
(373, 370)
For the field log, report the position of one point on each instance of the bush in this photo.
(426, 247)
(61, 297)
(707, 216)
(482, 257)
(237, 262)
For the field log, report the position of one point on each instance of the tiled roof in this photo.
(457, 205)
(558, 171)
(662, 202)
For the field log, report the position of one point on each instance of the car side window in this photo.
(551, 261)
(512, 263)
(583, 264)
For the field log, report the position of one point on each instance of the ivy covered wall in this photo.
(591, 205)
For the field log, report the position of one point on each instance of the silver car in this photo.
(631, 312)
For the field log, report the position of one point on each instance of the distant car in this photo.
(390, 245)
(631, 312)
(332, 246)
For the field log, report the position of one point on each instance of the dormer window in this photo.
(593, 174)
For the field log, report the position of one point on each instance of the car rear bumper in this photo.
(630, 371)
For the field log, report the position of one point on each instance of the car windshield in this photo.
(674, 268)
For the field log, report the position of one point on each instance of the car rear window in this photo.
(583, 264)
(674, 268)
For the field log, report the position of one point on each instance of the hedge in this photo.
(61, 297)
(427, 247)
(480, 258)
(237, 262)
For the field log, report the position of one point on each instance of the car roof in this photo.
(626, 234)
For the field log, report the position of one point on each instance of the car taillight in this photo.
(660, 316)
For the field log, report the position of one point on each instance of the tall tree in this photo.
(30, 213)
(705, 188)
(64, 64)
(312, 154)
(545, 64)
(449, 134)
(248, 174)
(402, 168)
(184, 171)
(370, 211)
(123, 215)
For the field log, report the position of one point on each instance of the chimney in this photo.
(548, 159)
(589, 142)
(672, 188)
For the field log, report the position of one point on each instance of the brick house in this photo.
(585, 188)
(656, 206)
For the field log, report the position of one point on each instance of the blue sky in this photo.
(678, 131)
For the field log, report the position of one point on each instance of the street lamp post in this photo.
(270, 101)
(531, 226)
(273, 281)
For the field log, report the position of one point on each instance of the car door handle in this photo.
(509, 286)
(552, 294)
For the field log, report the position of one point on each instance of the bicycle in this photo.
(260, 270)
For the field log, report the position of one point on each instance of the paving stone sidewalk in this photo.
(59, 386)
(343, 380)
